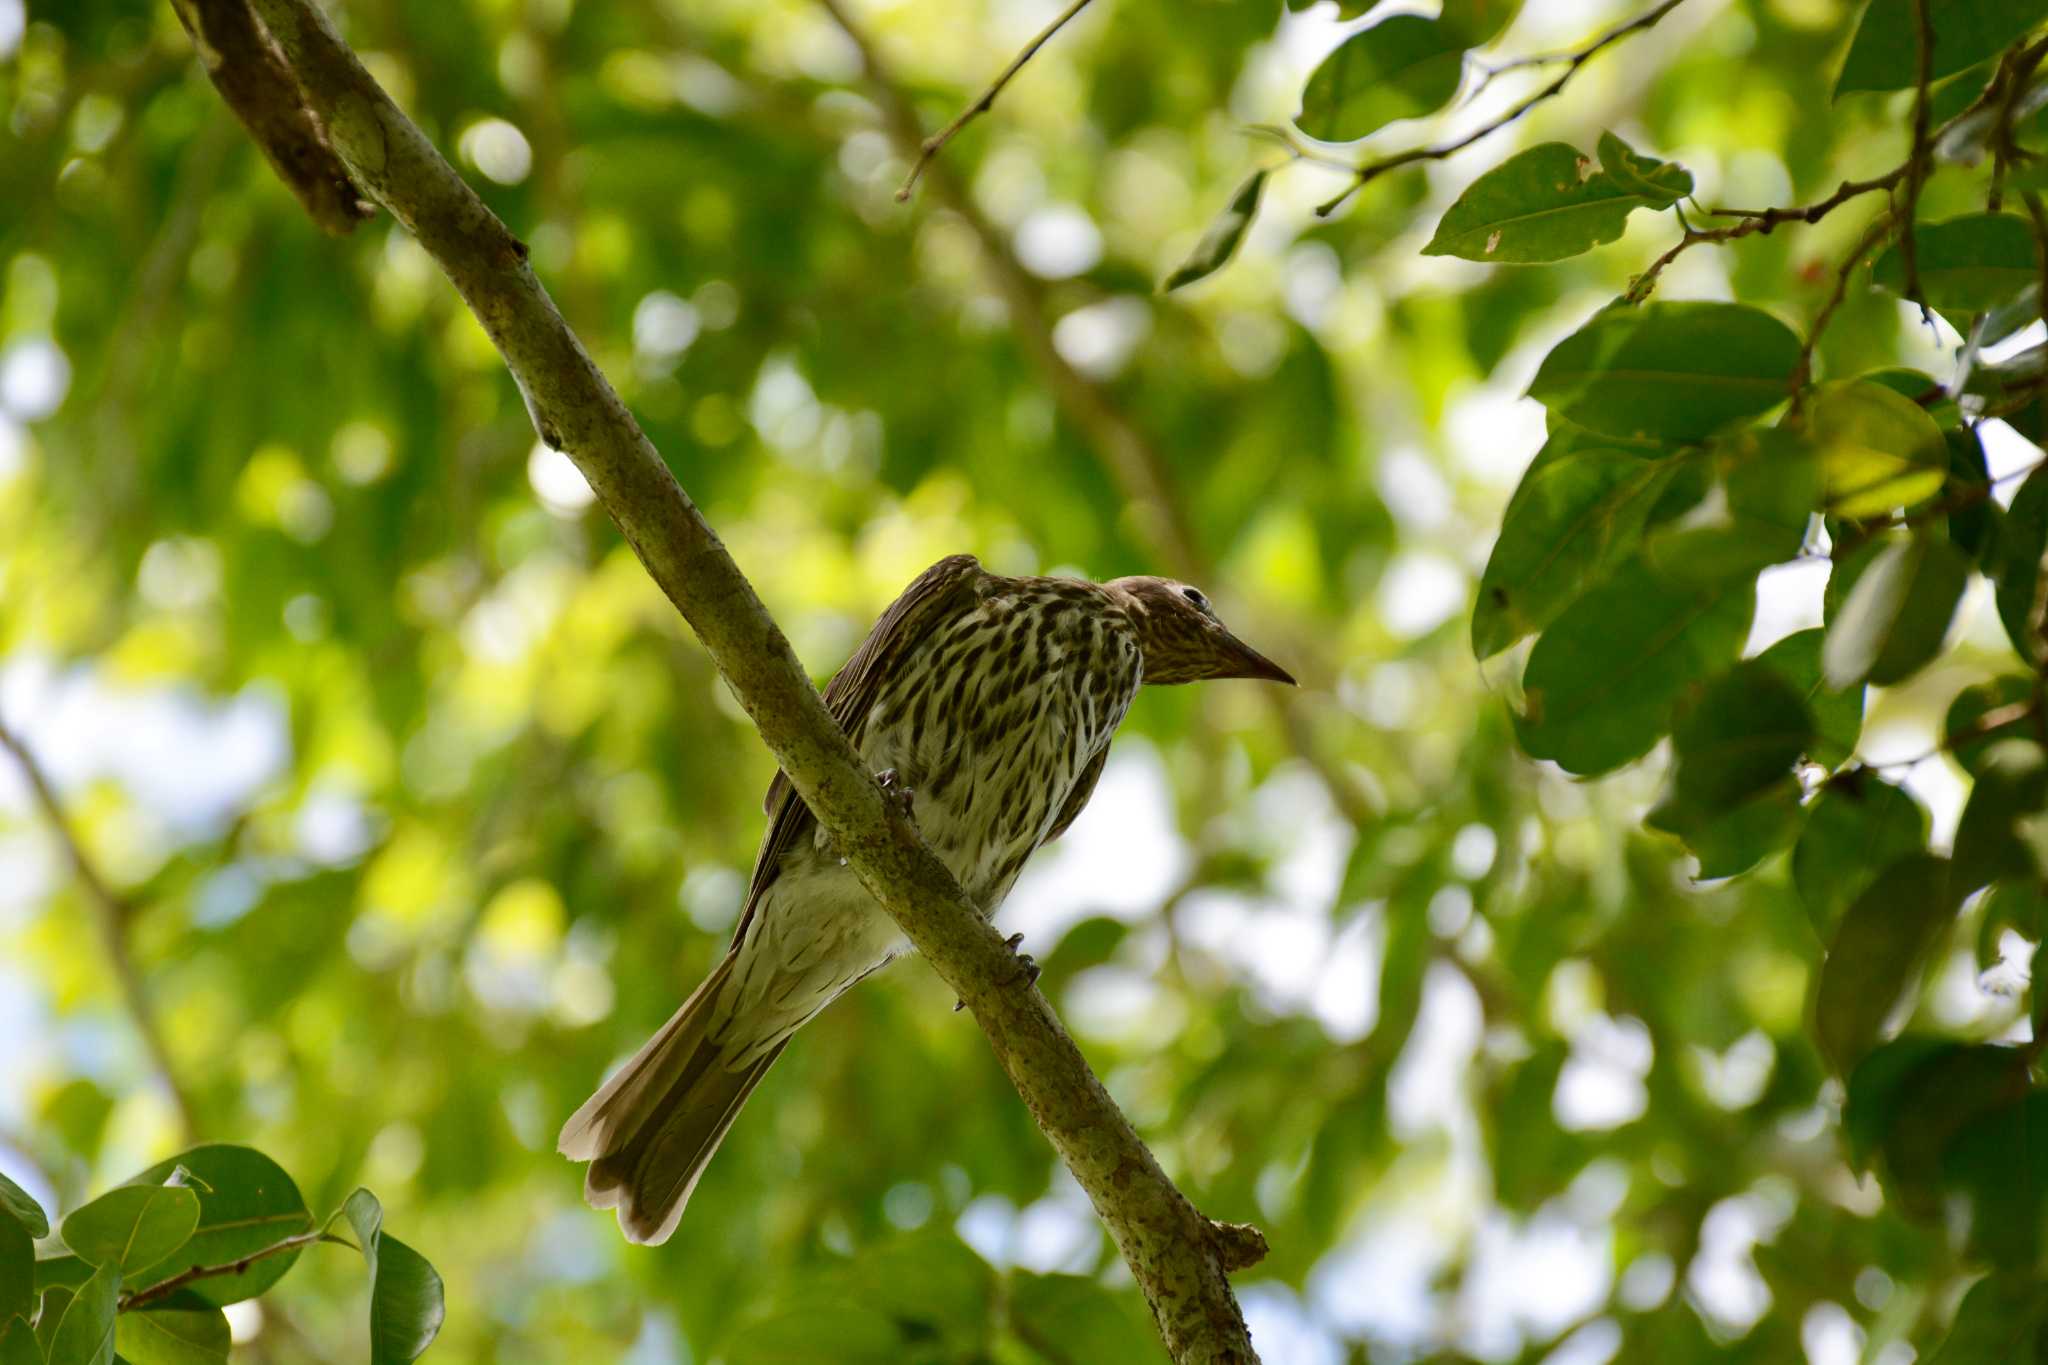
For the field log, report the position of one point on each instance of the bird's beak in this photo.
(1240, 660)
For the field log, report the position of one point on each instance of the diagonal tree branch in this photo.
(1179, 1257)
(112, 913)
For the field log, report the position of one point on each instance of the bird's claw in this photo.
(1028, 969)
(893, 789)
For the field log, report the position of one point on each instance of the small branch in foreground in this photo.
(247, 69)
(1916, 160)
(1373, 170)
(141, 1298)
(1174, 1252)
(1879, 227)
(1757, 223)
(936, 143)
(113, 914)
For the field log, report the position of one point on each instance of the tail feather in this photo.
(650, 1130)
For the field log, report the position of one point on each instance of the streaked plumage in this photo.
(993, 700)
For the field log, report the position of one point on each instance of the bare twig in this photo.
(1803, 371)
(113, 914)
(246, 68)
(1176, 1254)
(142, 1298)
(1373, 170)
(936, 143)
(1757, 223)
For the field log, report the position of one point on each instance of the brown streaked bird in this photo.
(991, 701)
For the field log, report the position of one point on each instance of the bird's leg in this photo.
(1028, 970)
(893, 791)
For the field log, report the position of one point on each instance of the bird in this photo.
(986, 704)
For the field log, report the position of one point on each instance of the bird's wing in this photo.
(1084, 787)
(945, 587)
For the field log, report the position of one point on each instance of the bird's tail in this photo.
(649, 1131)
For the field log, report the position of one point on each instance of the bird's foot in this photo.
(1028, 970)
(894, 790)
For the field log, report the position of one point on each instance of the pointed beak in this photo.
(1240, 660)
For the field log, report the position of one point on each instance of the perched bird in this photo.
(990, 702)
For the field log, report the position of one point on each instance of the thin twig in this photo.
(1172, 1249)
(143, 1297)
(936, 143)
(1758, 223)
(1373, 170)
(1803, 371)
(113, 914)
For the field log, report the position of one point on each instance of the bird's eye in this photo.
(1194, 595)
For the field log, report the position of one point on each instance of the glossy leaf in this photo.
(1546, 204)
(406, 1306)
(17, 1269)
(1571, 523)
(1966, 264)
(84, 1333)
(1669, 371)
(1220, 242)
(248, 1203)
(1878, 449)
(1897, 614)
(1602, 680)
(1885, 53)
(1878, 949)
(19, 1204)
(182, 1330)
(1402, 67)
(132, 1227)
(1857, 827)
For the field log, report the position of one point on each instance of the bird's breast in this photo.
(990, 722)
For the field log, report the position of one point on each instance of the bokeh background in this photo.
(425, 809)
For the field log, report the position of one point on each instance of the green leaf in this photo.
(1837, 716)
(1478, 22)
(2003, 1320)
(1733, 798)
(1221, 241)
(65, 1270)
(1570, 524)
(182, 1330)
(1878, 450)
(815, 1330)
(1910, 1098)
(132, 1226)
(248, 1203)
(1966, 264)
(1877, 952)
(1402, 67)
(1770, 481)
(406, 1305)
(1995, 1163)
(18, 1345)
(18, 1202)
(84, 1334)
(2011, 789)
(1601, 681)
(1885, 53)
(1660, 184)
(17, 1269)
(1897, 614)
(1545, 204)
(1961, 728)
(1669, 371)
(1974, 528)
(1086, 1321)
(2021, 593)
(1859, 825)
(1732, 841)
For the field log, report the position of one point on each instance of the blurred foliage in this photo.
(423, 809)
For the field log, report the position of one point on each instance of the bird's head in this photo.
(1182, 638)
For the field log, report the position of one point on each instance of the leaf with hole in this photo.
(1669, 371)
(1659, 184)
(1545, 204)
(1402, 67)
(1224, 234)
